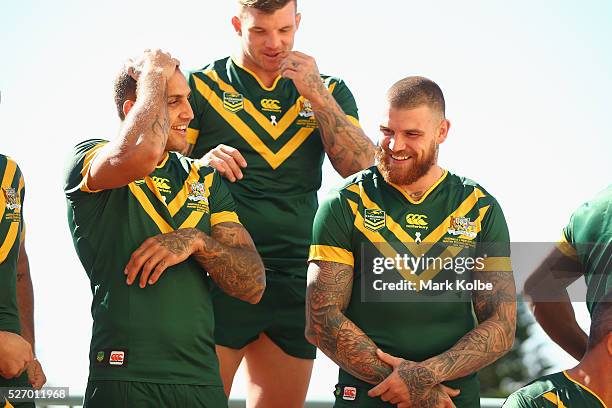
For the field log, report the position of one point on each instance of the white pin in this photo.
(273, 120)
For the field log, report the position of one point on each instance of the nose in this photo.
(273, 40)
(186, 112)
(396, 144)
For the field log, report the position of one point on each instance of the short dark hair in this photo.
(601, 321)
(414, 91)
(266, 6)
(125, 89)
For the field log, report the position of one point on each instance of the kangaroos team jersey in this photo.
(164, 332)
(11, 226)
(588, 238)
(554, 390)
(369, 218)
(276, 132)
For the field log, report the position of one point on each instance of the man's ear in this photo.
(127, 107)
(237, 25)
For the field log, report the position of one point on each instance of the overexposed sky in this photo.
(527, 86)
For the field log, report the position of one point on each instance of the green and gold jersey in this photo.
(369, 219)
(588, 238)
(554, 390)
(164, 332)
(276, 132)
(11, 230)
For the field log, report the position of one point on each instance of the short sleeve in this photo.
(78, 166)
(517, 400)
(566, 244)
(332, 231)
(222, 205)
(343, 95)
(494, 240)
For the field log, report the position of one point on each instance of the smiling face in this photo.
(408, 146)
(179, 111)
(266, 38)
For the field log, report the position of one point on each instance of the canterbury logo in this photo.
(161, 183)
(270, 104)
(416, 219)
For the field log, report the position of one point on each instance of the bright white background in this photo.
(527, 86)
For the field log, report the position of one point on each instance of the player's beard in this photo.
(405, 174)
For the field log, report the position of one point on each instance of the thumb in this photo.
(450, 391)
(388, 358)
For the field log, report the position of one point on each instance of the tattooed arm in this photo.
(494, 336)
(228, 255)
(346, 145)
(144, 131)
(327, 296)
(25, 302)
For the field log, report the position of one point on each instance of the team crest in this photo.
(374, 219)
(12, 198)
(305, 108)
(462, 226)
(233, 102)
(100, 356)
(197, 192)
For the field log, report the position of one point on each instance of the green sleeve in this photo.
(222, 205)
(77, 167)
(345, 99)
(332, 231)
(517, 400)
(494, 239)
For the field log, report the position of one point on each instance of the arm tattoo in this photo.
(230, 258)
(346, 145)
(494, 336)
(328, 294)
(179, 241)
(161, 124)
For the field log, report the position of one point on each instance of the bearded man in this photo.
(417, 346)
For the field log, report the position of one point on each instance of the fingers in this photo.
(227, 161)
(36, 376)
(388, 358)
(380, 389)
(155, 261)
(450, 391)
(138, 258)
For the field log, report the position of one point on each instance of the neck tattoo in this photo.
(416, 195)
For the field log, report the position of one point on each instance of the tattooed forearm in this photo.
(230, 258)
(494, 336)
(328, 294)
(346, 145)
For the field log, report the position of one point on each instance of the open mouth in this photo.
(179, 128)
(397, 158)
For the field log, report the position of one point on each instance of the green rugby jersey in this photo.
(164, 332)
(554, 390)
(588, 238)
(455, 217)
(11, 231)
(275, 130)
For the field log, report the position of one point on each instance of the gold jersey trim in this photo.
(331, 254)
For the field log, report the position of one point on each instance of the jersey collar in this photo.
(566, 374)
(429, 190)
(164, 161)
(254, 75)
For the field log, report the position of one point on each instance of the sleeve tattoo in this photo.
(327, 296)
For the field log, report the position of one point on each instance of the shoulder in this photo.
(537, 388)
(470, 187)
(218, 65)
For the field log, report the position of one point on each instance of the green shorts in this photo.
(280, 314)
(19, 382)
(132, 394)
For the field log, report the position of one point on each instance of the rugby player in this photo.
(265, 119)
(394, 353)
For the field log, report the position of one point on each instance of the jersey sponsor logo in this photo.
(374, 219)
(462, 226)
(117, 358)
(349, 393)
(12, 199)
(100, 356)
(162, 184)
(270, 105)
(416, 221)
(233, 102)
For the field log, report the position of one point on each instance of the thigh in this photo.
(275, 379)
(229, 361)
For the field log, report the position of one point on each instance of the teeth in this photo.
(400, 157)
(182, 127)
